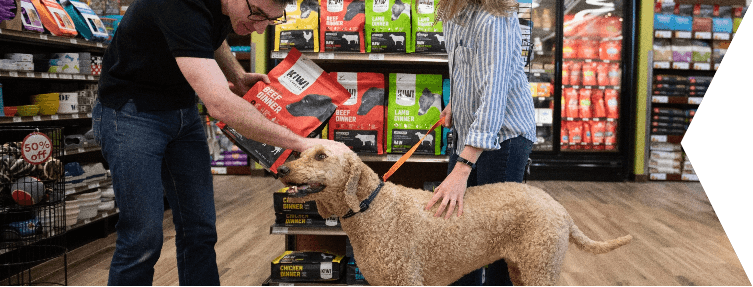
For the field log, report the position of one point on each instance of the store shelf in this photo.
(47, 76)
(666, 34)
(591, 87)
(666, 139)
(80, 150)
(276, 282)
(100, 216)
(7, 120)
(324, 230)
(590, 119)
(676, 100)
(331, 57)
(49, 40)
(86, 187)
(668, 65)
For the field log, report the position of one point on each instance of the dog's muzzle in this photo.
(298, 190)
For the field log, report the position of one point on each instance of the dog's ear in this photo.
(351, 186)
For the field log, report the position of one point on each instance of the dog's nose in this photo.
(283, 170)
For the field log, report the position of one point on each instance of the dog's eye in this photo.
(321, 156)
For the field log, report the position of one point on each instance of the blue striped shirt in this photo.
(491, 98)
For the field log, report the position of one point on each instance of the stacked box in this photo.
(291, 214)
(297, 266)
(668, 121)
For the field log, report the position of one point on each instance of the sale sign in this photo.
(36, 148)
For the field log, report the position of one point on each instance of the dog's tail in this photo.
(596, 247)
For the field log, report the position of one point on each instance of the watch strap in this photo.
(465, 161)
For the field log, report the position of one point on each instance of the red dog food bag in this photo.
(564, 135)
(584, 103)
(610, 135)
(586, 142)
(575, 74)
(576, 133)
(589, 73)
(300, 96)
(597, 133)
(341, 25)
(571, 101)
(597, 104)
(612, 99)
(566, 72)
(359, 122)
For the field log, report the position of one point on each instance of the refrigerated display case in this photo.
(582, 81)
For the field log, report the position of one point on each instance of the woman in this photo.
(491, 109)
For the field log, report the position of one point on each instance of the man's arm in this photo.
(207, 79)
(228, 63)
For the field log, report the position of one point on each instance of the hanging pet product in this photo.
(30, 17)
(87, 23)
(54, 18)
(32, 205)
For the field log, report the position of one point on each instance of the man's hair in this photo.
(448, 9)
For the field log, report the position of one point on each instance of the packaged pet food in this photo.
(564, 135)
(282, 204)
(54, 18)
(428, 35)
(30, 17)
(701, 51)
(615, 74)
(576, 132)
(700, 80)
(307, 266)
(682, 50)
(720, 49)
(571, 103)
(305, 220)
(612, 99)
(87, 23)
(610, 27)
(610, 50)
(602, 74)
(300, 97)
(301, 31)
(662, 50)
(597, 104)
(388, 26)
(575, 74)
(415, 102)
(597, 132)
(584, 103)
(359, 122)
(670, 79)
(570, 48)
(588, 49)
(589, 73)
(566, 65)
(342, 25)
(610, 135)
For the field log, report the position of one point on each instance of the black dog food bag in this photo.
(429, 37)
(301, 31)
(341, 26)
(388, 26)
(415, 103)
(359, 122)
(299, 266)
(300, 97)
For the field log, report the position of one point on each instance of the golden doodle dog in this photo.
(396, 242)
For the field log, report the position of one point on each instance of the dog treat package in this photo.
(670, 79)
(282, 204)
(353, 275)
(428, 36)
(87, 23)
(31, 20)
(415, 102)
(300, 97)
(612, 98)
(388, 26)
(341, 26)
(54, 18)
(359, 122)
(302, 28)
(305, 220)
(307, 266)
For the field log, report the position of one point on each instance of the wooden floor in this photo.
(678, 239)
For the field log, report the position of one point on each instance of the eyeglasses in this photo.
(258, 15)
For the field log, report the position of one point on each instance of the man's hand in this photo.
(337, 148)
(247, 80)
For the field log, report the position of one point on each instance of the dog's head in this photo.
(313, 105)
(427, 101)
(397, 9)
(371, 98)
(322, 176)
(308, 6)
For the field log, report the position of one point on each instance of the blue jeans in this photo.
(505, 164)
(152, 155)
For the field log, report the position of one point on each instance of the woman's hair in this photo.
(448, 9)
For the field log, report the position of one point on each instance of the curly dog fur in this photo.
(397, 242)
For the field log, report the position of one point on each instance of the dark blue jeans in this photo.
(505, 164)
(152, 155)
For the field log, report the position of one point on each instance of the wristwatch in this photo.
(465, 161)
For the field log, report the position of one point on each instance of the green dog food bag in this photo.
(429, 37)
(414, 105)
(388, 26)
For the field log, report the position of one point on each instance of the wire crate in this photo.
(32, 202)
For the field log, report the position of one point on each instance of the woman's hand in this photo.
(447, 115)
(451, 192)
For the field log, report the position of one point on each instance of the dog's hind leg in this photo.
(514, 271)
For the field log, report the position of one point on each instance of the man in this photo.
(164, 53)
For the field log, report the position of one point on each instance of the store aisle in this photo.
(678, 239)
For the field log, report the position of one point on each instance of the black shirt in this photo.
(140, 63)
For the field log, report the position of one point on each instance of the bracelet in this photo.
(465, 161)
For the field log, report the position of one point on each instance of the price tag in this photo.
(13, 74)
(658, 176)
(43, 37)
(279, 55)
(66, 76)
(376, 57)
(393, 157)
(30, 75)
(44, 75)
(587, 87)
(660, 99)
(74, 41)
(703, 35)
(90, 78)
(17, 119)
(681, 65)
(602, 87)
(79, 77)
(663, 34)
(219, 170)
(286, 284)
(662, 65)
(280, 230)
(54, 117)
(326, 56)
(37, 148)
(659, 138)
(689, 177)
(36, 118)
(100, 45)
(702, 66)
(683, 34)
(74, 116)
(81, 150)
(588, 60)
(53, 76)
(695, 100)
(721, 36)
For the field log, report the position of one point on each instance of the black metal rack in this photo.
(32, 206)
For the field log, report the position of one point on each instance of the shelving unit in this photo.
(18, 85)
